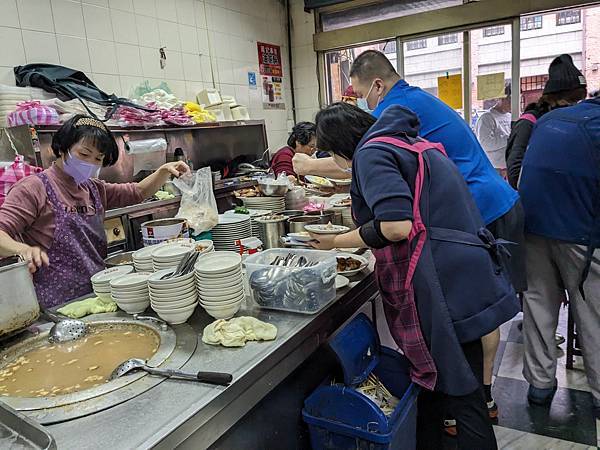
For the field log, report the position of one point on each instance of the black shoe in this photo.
(541, 397)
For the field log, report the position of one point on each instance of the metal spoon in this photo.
(222, 379)
(64, 329)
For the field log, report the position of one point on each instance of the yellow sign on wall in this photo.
(490, 86)
(450, 90)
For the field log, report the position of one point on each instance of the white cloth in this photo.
(492, 130)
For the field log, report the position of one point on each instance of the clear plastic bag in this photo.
(198, 204)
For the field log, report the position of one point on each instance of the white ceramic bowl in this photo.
(130, 297)
(177, 317)
(134, 307)
(155, 278)
(212, 303)
(166, 301)
(173, 292)
(225, 312)
(104, 276)
(228, 292)
(219, 277)
(173, 306)
(217, 263)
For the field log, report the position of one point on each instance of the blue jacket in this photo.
(560, 182)
(440, 123)
(460, 289)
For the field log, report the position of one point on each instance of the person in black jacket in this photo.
(566, 86)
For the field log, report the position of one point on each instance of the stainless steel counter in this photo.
(194, 415)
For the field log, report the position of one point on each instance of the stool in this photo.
(572, 340)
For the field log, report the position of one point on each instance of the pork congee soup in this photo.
(48, 370)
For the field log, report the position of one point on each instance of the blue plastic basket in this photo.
(339, 417)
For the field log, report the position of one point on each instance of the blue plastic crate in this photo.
(339, 417)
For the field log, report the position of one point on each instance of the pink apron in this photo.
(77, 252)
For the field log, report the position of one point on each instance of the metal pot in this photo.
(296, 224)
(273, 190)
(119, 259)
(270, 231)
(19, 306)
(324, 217)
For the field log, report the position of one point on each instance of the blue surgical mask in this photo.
(362, 104)
(79, 170)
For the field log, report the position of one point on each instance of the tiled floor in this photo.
(567, 424)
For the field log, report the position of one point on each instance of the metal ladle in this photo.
(64, 329)
(222, 379)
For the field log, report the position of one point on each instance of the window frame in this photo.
(532, 20)
(496, 30)
(452, 39)
(417, 47)
(567, 15)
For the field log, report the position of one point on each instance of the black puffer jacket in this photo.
(517, 143)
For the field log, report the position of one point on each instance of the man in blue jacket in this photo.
(560, 189)
(378, 86)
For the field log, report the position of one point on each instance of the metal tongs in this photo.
(185, 266)
(293, 260)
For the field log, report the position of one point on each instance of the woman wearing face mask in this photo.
(438, 269)
(55, 219)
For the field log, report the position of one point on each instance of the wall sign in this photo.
(252, 80)
(271, 71)
(450, 90)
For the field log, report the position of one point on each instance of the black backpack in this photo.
(69, 84)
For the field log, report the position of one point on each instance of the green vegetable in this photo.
(241, 210)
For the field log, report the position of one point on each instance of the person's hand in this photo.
(35, 256)
(301, 163)
(292, 179)
(175, 168)
(323, 241)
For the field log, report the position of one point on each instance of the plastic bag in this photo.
(144, 87)
(198, 204)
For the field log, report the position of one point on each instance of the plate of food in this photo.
(342, 203)
(348, 264)
(319, 181)
(326, 229)
(340, 181)
(300, 237)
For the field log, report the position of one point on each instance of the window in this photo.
(416, 45)
(568, 17)
(493, 31)
(446, 39)
(531, 23)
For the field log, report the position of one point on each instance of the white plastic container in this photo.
(305, 290)
(209, 97)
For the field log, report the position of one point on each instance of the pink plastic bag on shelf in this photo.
(12, 173)
(32, 113)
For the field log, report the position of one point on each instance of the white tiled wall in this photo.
(304, 62)
(115, 42)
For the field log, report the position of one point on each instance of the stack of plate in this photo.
(230, 228)
(254, 214)
(220, 283)
(167, 256)
(101, 280)
(275, 204)
(130, 292)
(173, 299)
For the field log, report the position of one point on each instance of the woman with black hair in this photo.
(438, 269)
(55, 219)
(301, 141)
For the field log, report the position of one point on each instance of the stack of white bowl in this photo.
(173, 299)
(254, 214)
(101, 280)
(220, 283)
(230, 228)
(170, 255)
(142, 259)
(130, 292)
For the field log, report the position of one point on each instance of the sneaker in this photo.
(450, 427)
(493, 411)
(559, 339)
(542, 397)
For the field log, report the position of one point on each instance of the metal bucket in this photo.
(324, 217)
(296, 224)
(271, 231)
(119, 259)
(157, 231)
(19, 306)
